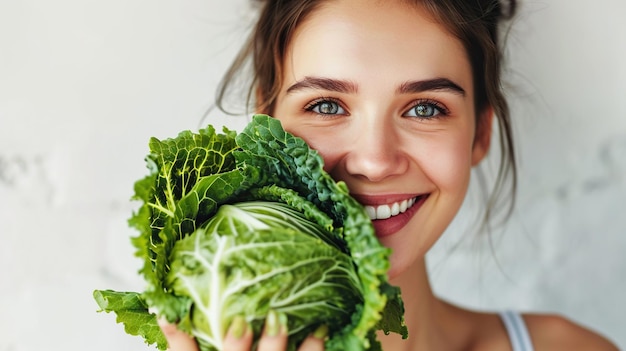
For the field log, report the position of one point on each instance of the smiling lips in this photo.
(391, 217)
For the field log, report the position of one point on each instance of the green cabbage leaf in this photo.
(241, 224)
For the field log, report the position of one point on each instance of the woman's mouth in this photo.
(388, 210)
(391, 217)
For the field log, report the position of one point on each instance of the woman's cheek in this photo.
(329, 154)
(325, 142)
(449, 166)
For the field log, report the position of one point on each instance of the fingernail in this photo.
(321, 332)
(238, 327)
(274, 323)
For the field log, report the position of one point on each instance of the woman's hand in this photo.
(239, 336)
(176, 339)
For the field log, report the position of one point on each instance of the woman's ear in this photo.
(482, 138)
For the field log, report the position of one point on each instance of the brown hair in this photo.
(476, 23)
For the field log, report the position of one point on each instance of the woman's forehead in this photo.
(351, 40)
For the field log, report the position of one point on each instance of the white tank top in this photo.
(518, 333)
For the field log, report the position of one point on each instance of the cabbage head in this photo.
(241, 224)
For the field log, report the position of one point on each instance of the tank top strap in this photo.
(518, 333)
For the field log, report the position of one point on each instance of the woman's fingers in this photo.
(177, 340)
(239, 335)
(274, 336)
(315, 341)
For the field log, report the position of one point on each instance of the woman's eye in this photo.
(326, 107)
(425, 110)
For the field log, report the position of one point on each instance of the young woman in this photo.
(399, 97)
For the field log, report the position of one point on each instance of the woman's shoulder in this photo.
(547, 332)
(555, 332)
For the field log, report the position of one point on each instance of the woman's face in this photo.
(385, 95)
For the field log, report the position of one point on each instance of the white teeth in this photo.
(404, 205)
(371, 211)
(387, 211)
(395, 209)
(383, 212)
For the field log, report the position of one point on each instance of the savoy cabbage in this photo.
(241, 224)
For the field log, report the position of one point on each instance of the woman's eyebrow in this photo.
(340, 86)
(419, 86)
(348, 87)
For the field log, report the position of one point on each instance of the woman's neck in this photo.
(431, 322)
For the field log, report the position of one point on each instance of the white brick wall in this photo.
(84, 84)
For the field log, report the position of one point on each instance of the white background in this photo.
(84, 84)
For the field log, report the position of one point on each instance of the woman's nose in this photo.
(376, 153)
